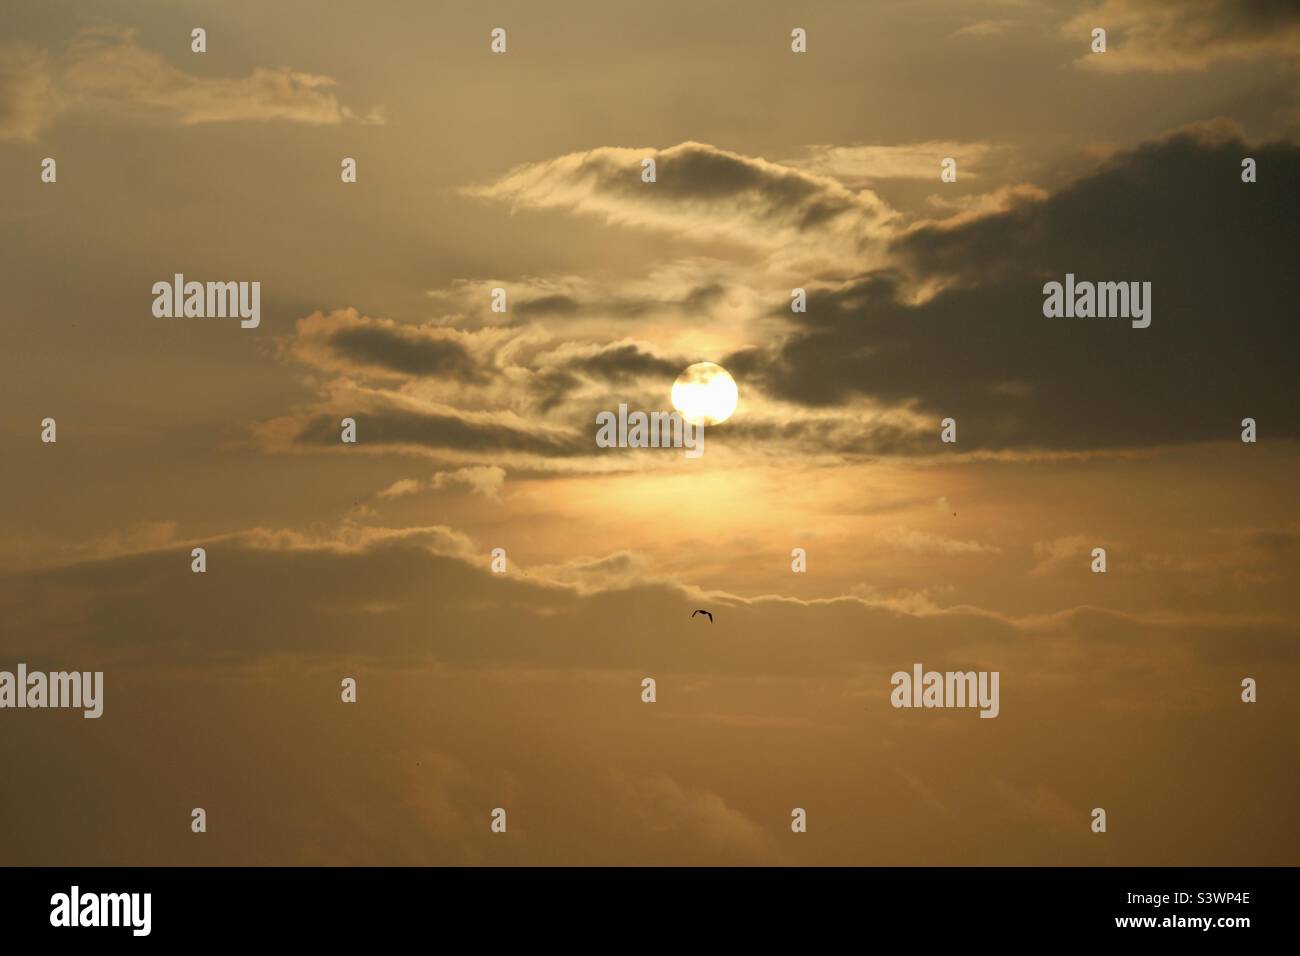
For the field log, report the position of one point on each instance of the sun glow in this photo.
(705, 394)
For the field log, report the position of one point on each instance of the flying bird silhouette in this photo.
(708, 614)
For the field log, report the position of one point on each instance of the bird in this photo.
(708, 614)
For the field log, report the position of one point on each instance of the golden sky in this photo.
(475, 431)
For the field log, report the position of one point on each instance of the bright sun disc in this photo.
(705, 394)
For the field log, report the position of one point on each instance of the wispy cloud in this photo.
(859, 165)
(1167, 35)
(701, 190)
(104, 69)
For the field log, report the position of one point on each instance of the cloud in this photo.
(923, 542)
(680, 289)
(513, 390)
(104, 69)
(950, 326)
(347, 341)
(314, 592)
(703, 191)
(1168, 35)
(352, 539)
(984, 28)
(382, 427)
(967, 208)
(399, 352)
(505, 672)
(27, 92)
(1060, 552)
(704, 306)
(623, 569)
(622, 362)
(672, 811)
(858, 165)
(1172, 212)
(484, 480)
(401, 488)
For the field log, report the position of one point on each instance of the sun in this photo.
(705, 394)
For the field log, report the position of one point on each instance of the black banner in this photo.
(1153, 906)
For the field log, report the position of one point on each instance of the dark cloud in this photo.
(1166, 35)
(549, 305)
(694, 171)
(551, 389)
(1212, 23)
(1274, 545)
(407, 354)
(698, 299)
(750, 362)
(847, 438)
(703, 297)
(623, 363)
(402, 427)
(1264, 14)
(1219, 253)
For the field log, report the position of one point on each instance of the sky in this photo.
(522, 689)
